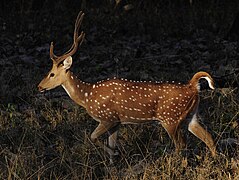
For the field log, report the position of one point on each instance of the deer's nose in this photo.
(41, 89)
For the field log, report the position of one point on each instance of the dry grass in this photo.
(50, 140)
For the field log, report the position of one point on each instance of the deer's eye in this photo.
(52, 75)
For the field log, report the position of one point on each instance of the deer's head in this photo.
(61, 64)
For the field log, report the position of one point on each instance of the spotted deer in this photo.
(115, 101)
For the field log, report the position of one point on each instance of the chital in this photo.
(119, 101)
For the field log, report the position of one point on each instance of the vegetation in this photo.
(46, 136)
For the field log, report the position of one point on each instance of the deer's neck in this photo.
(76, 89)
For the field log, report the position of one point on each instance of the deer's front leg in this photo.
(112, 141)
(101, 129)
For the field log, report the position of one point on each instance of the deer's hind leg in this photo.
(174, 132)
(195, 128)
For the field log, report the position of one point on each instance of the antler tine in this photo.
(77, 38)
(81, 38)
(78, 24)
(77, 42)
(52, 55)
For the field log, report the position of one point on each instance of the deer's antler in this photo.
(76, 41)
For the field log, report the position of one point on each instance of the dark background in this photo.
(46, 135)
(147, 40)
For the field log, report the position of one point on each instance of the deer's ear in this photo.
(67, 62)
